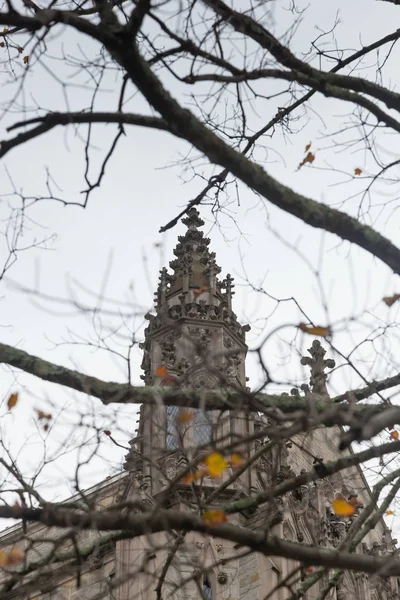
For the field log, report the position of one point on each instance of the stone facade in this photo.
(194, 339)
(59, 582)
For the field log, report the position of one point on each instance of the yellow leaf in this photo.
(14, 557)
(389, 512)
(12, 401)
(341, 508)
(185, 416)
(3, 558)
(394, 435)
(216, 464)
(307, 147)
(6, 30)
(309, 158)
(26, 60)
(390, 300)
(236, 460)
(357, 171)
(214, 517)
(318, 330)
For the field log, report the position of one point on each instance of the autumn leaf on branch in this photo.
(216, 464)
(357, 171)
(317, 330)
(214, 517)
(306, 149)
(309, 158)
(42, 416)
(342, 508)
(390, 300)
(166, 377)
(45, 418)
(12, 401)
(185, 416)
(394, 435)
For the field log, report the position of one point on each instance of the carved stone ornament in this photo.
(318, 364)
(197, 573)
(168, 352)
(222, 578)
(285, 472)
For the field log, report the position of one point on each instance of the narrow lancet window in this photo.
(202, 427)
(172, 438)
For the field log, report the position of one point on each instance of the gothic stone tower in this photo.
(194, 339)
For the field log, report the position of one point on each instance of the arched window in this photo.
(198, 431)
(202, 427)
(207, 592)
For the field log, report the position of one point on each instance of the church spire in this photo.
(193, 339)
(195, 271)
(193, 304)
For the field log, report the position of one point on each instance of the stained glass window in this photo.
(171, 441)
(202, 427)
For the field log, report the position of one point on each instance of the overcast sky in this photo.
(113, 245)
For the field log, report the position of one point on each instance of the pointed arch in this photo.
(209, 585)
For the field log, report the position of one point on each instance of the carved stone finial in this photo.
(228, 285)
(193, 220)
(318, 364)
(160, 295)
